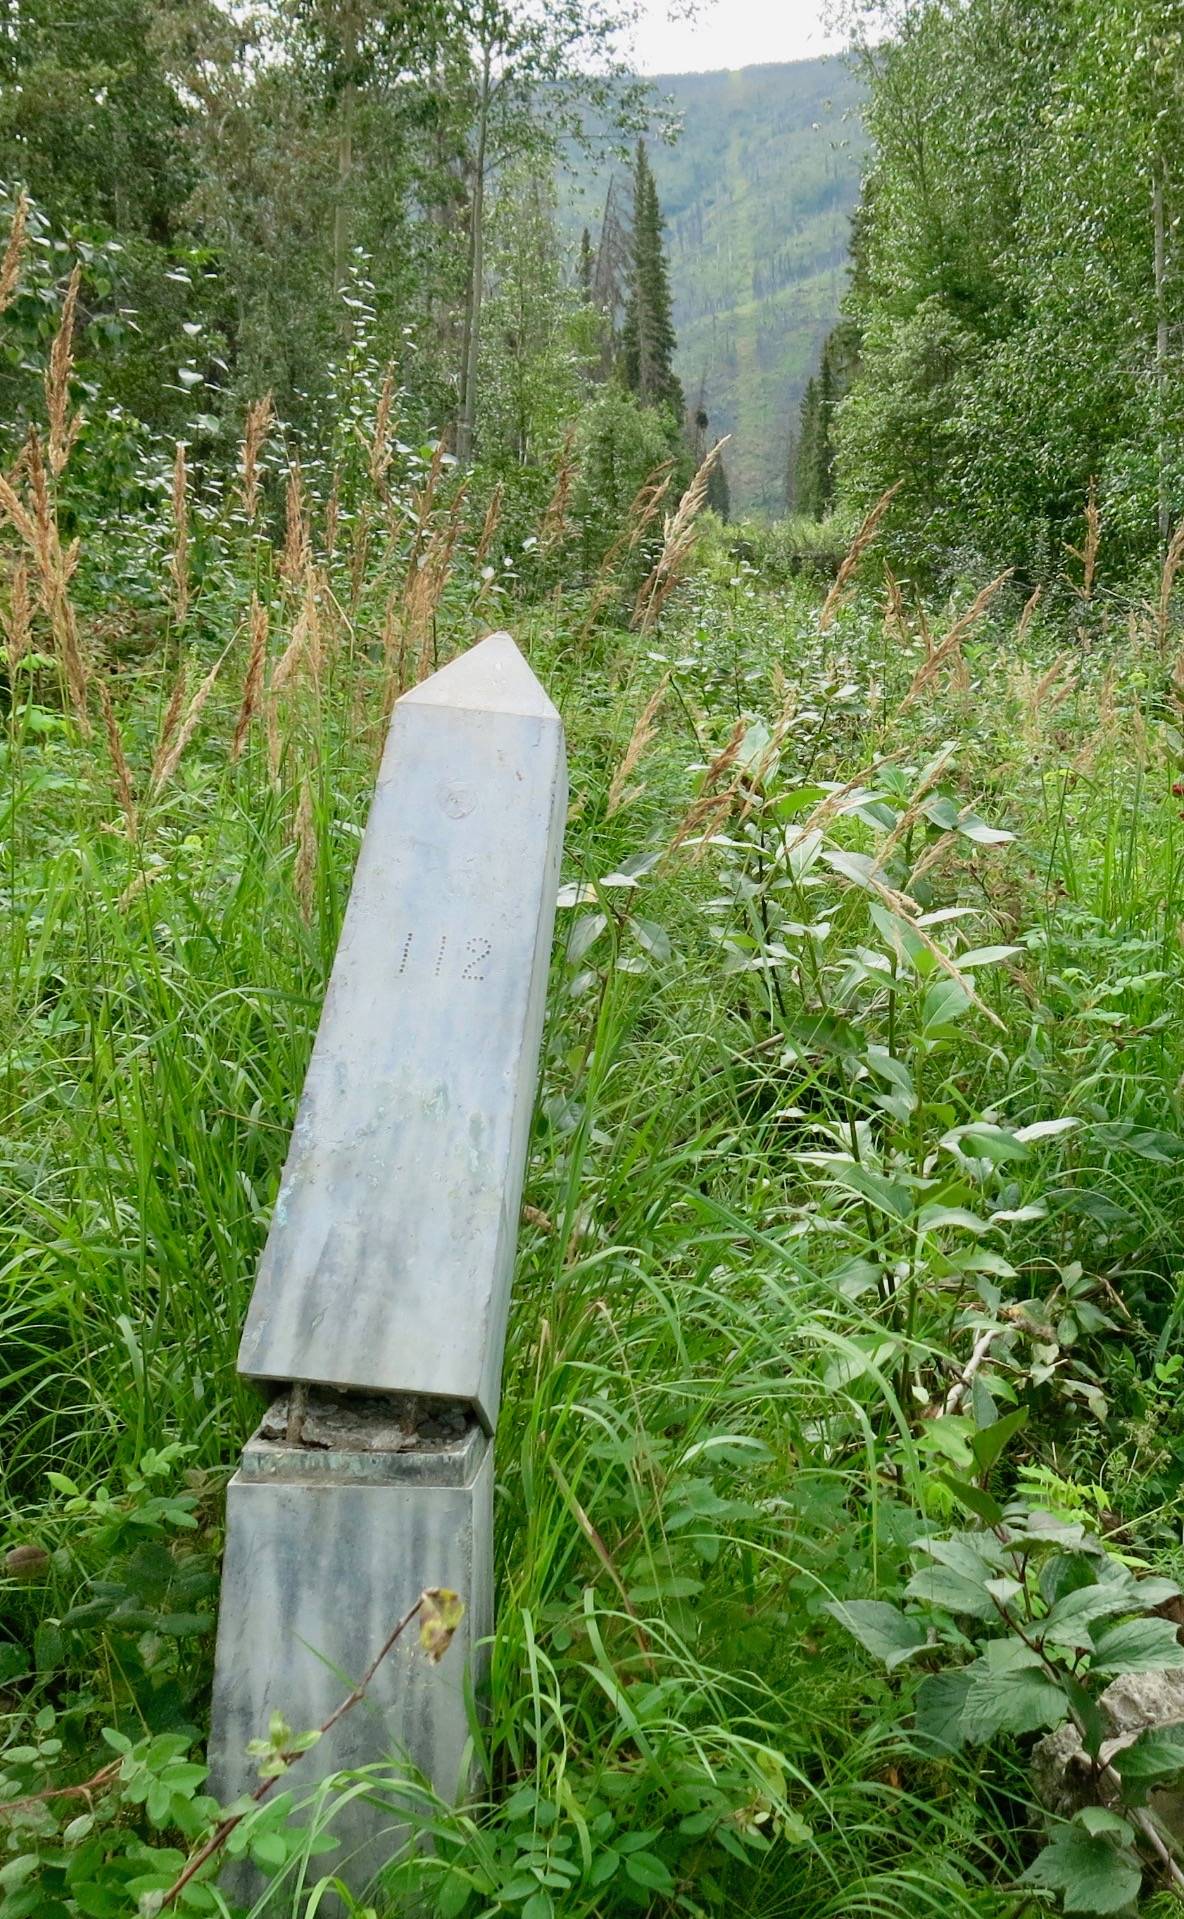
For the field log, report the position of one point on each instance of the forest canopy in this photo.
(1017, 288)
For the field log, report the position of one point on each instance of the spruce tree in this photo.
(719, 493)
(587, 266)
(647, 337)
(813, 457)
(807, 492)
(825, 453)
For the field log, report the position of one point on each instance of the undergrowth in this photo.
(845, 1345)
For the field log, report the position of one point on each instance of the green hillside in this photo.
(758, 192)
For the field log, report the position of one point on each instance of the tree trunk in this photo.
(345, 152)
(467, 421)
(1161, 358)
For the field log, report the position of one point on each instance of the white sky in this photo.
(731, 33)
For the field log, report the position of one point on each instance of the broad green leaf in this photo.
(973, 828)
(1045, 1129)
(904, 943)
(858, 867)
(49, 1646)
(1090, 1873)
(893, 1071)
(977, 1555)
(648, 1871)
(982, 1400)
(981, 1141)
(669, 1586)
(453, 1896)
(631, 869)
(982, 1261)
(753, 754)
(651, 937)
(944, 1005)
(887, 1195)
(974, 1499)
(1053, 1529)
(953, 1592)
(1098, 1819)
(881, 1629)
(946, 915)
(1138, 1645)
(941, 1698)
(949, 1435)
(269, 1849)
(14, 1874)
(1011, 1215)
(1144, 1142)
(799, 800)
(1004, 1590)
(988, 1444)
(1158, 1753)
(1092, 1722)
(861, 1357)
(1010, 1692)
(940, 810)
(802, 855)
(823, 1033)
(985, 956)
(1148, 1593)
(1070, 1621)
(934, 1219)
(584, 935)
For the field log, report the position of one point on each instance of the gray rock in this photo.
(1062, 1776)
(363, 1422)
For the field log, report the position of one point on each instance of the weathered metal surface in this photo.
(389, 1259)
(323, 1555)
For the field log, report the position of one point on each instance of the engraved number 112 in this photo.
(447, 956)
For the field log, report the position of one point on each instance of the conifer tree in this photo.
(807, 491)
(647, 338)
(587, 266)
(719, 493)
(812, 457)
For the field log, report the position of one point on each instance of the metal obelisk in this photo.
(379, 1312)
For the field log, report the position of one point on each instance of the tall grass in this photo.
(770, 1017)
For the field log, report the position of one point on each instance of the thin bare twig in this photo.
(104, 1777)
(221, 1833)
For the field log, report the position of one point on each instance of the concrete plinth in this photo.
(325, 1550)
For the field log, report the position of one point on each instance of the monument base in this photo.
(327, 1544)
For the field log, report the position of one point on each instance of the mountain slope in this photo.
(758, 193)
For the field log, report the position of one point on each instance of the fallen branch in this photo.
(965, 1379)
